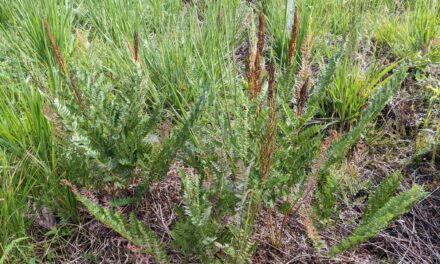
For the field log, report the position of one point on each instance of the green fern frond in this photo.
(133, 230)
(196, 206)
(9, 248)
(159, 164)
(395, 207)
(326, 196)
(382, 194)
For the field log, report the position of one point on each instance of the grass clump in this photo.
(351, 87)
(412, 35)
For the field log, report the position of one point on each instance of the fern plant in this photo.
(249, 155)
(116, 131)
(111, 135)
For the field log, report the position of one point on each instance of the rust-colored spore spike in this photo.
(312, 181)
(271, 127)
(304, 75)
(303, 95)
(260, 47)
(309, 188)
(136, 46)
(260, 43)
(271, 91)
(251, 72)
(254, 62)
(70, 185)
(293, 36)
(309, 227)
(55, 47)
(61, 63)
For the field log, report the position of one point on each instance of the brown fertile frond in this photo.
(260, 47)
(309, 189)
(136, 47)
(254, 66)
(310, 228)
(271, 91)
(251, 73)
(302, 96)
(254, 63)
(85, 192)
(301, 92)
(293, 36)
(55, 47)
(271, 127)
(61, 63)
(260, 43)
(306, 48)
(311, 183)
(70, 185)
